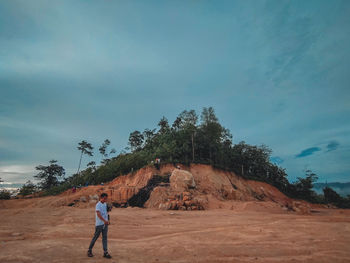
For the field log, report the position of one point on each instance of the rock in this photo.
(173, 205)
(182, 208)
(168, 205)
(93, 197)
(186, 198)
(181, 180)
(179, 203)
(301, 207)
(188, 203)
(83, 198)
(162, 206)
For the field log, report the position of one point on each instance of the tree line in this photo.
(189, 139)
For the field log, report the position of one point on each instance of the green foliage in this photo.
(49, 175)
(103, 151)
(135, 140)
(28, 188)
(302, 189)
(103, 148)
(5, 195)
(332, 197)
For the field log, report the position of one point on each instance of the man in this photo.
(102, 222)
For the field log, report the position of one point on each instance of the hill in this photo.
(194, 187)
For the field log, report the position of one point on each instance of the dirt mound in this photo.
(194, 187)
(203, 187)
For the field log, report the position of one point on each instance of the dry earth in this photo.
(250, 233)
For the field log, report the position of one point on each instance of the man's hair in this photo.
(104, 195)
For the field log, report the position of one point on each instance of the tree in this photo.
(103, 148)
(49, 175)
(148, 136)
(91, 165)
(28, 188)
(252, 161)
(303, 186)
(334, 198)
(163, 126)
(188, 121)
(135, 140)
(331, 196)
(211, 133)
(103, 151)
(85, 148)
(5, 195)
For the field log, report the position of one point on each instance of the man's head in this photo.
(103, 197)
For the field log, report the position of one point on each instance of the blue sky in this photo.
(276, 73)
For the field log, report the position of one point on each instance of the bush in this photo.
(5, 195)
(27, 189)
(332, 197)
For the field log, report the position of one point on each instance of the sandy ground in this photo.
(145, 235)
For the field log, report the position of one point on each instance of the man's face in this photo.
(104, 199)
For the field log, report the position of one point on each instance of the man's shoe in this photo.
(106, 255)
(89, 253)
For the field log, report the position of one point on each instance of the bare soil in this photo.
(251, 232)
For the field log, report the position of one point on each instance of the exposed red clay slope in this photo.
(213, 189)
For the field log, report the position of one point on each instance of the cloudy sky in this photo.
(276, 73)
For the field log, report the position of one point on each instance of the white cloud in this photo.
(17, 173)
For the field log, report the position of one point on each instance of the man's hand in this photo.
(107, 222)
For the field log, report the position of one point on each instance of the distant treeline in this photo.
(189, 139)
(342, 188)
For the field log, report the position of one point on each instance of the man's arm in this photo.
(100, 217)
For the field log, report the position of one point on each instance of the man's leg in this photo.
(104, 238)
(98, 231)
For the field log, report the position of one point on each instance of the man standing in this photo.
(102, 222)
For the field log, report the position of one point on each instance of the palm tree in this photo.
(85, 148)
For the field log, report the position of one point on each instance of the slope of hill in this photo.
(194, 187)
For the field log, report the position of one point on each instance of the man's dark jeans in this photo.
(98, 230)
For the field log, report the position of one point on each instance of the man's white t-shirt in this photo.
(103, 211)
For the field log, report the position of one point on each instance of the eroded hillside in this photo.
(197, 187)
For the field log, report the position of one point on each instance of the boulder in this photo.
(301, 207)
(181, 180)
(188, 203)
(162, 206)
(186, 198)
(93, 197)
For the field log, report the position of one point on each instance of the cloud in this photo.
(332, 146)
(277, 160)
(307, 152)
(17, 173)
